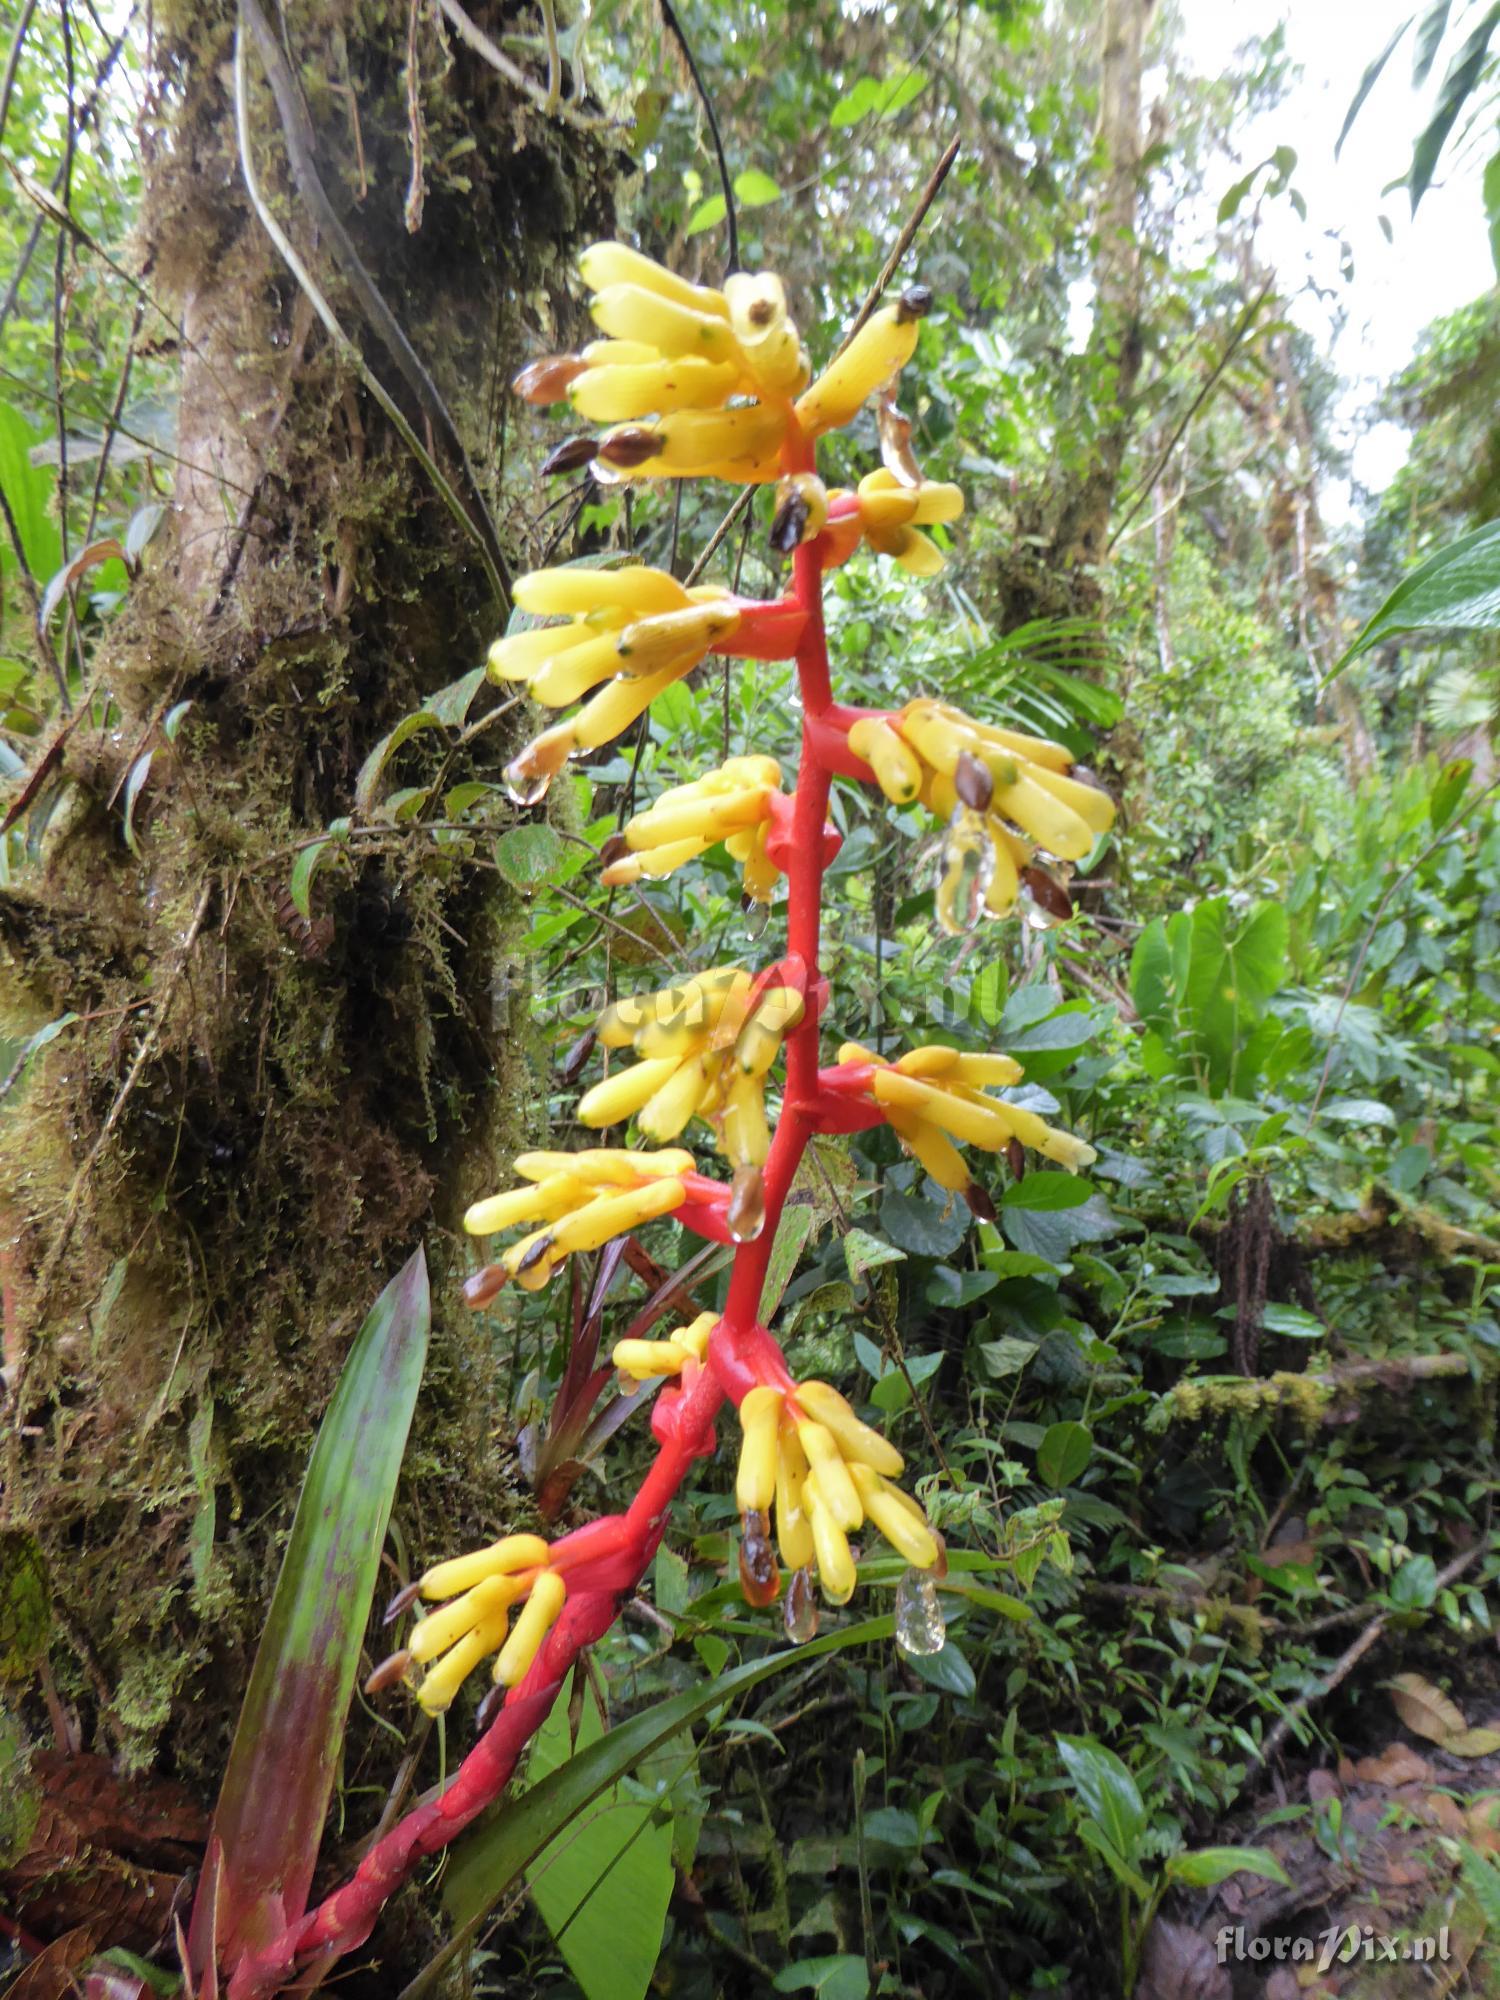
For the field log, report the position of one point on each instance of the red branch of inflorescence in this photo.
(699, 356)
(628, 1545)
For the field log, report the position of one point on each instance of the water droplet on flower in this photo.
(757, 916)
(746, 1213)
(799, 1611)
(523, 786)
(965, 871)
(920, 1626)
(760, 1579)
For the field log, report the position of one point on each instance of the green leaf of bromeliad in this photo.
(287, 1742)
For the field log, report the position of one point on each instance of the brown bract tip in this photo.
(972, 781)
(549, 379)
(402, 1601)
(388, 1672)
(569, 456)
(629, 447)
(484, 1285)
(981, 1202)
(914, 303)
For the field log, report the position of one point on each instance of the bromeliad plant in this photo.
(697, 382)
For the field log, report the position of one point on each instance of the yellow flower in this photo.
(695, 381)
(733, 803)
(805, 1452)
(581, 1200)
(705, 1048)
(934, 1095)
(647, 1360)
(635, 628)
(891, 517)
(999, 790)
(475, 1622)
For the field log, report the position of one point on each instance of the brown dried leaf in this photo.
(1426, 1710)
(1397, 1764)
(1445, 1813)
(50, 1975)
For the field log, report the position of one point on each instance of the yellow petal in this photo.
(536, 1620)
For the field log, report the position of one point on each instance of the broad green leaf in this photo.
(1047, 1190)
(948, 1671)
(603, 1885)
(925, 1228)
(792, 1233)
(1360, 1111)
(753, 189)
(28, 489)
(1293, 1322)
(842, 1977)
(1206, 1867)
(528, 856)
(289, 1737)
(1006, 1356)
(707, 215)
(486, 1863)
(1458, 588)
(1063, 1454)
(864, 1252)
(857, 103)
(1108, 1793)
(451, 704)
(899, 95)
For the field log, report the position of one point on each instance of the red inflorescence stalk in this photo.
(685, 1419)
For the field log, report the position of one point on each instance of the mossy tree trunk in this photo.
(256, 1116)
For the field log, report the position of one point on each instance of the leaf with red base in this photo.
(271, 1808)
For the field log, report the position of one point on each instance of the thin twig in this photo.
(902, 243)
(1242, 327)
(1349, 1660)
(674, 26)
(146, 1051)
(345, 346)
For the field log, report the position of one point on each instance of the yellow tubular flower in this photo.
(934, 1095)
(826, 1472)
(481, 1588)
(630, 633)
(644, 1360)
(891, 517)
(581, 1200)
(681, 354)
(731, 803)
(873, 358)
(704, 1054)
(999, 791)
(548, 1595)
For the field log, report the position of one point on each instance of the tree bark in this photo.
(257, 1113)
(1115, 339)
